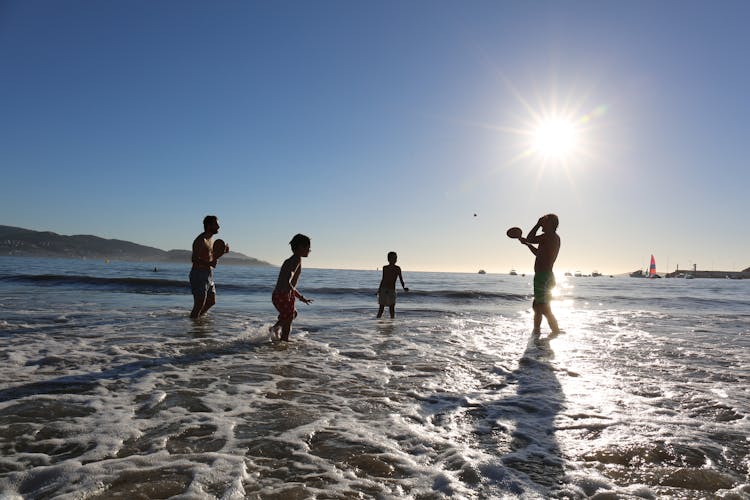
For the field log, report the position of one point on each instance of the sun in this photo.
(555, 138)
(551, 128)
(556, 129)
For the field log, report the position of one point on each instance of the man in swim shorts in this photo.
(546, 251)
(544, 282)
(202, 272)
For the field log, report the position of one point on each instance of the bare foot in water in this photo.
(275, 332)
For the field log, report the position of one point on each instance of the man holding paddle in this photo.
(205, 255)
(548, 246)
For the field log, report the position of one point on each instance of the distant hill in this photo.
(19, 242)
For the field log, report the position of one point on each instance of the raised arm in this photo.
(532, 236)
(531, 247)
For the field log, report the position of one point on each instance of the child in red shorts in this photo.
(286, 287)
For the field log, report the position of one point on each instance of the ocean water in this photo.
(109, 390)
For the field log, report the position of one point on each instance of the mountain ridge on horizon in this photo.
(21, 242)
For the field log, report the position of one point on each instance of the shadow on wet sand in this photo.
(516, 427)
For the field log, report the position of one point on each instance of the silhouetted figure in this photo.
(286, 287)
(387, 288)
(548, 246)
(204, 262)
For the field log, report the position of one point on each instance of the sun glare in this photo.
(555, 138)
(553, 131)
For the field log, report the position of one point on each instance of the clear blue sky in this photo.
(377, 126)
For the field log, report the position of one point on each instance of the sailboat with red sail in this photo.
(651, 273)
(652, 269)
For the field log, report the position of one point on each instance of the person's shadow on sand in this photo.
(534, 450)
(518, 429)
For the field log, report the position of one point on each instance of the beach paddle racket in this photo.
(220, 248)
(514, 232)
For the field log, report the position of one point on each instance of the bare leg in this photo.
(275, 329)
(392, 310)
(198, 304)
(210, 301)
(286, 328)
(380, 311)
(537, 318)
(547, 311)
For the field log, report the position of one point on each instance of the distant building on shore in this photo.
(695, 273)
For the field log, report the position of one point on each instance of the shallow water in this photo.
(109, 391)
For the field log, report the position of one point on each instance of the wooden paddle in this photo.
(514, 232)
(220, 248)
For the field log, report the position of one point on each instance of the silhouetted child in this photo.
(387, 289)
(544, 280)
(286, 287)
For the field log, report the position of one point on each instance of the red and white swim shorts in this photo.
(284, 303)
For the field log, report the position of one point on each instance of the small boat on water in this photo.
(513, 272)
(482, 271)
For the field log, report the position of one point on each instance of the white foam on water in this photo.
(130, 397)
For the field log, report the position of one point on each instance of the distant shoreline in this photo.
(226, 260)
(681, 273)
(690, 273)
(20, 242)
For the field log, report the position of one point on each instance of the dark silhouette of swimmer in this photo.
(548, 246)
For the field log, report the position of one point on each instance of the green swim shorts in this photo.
(544, 282)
